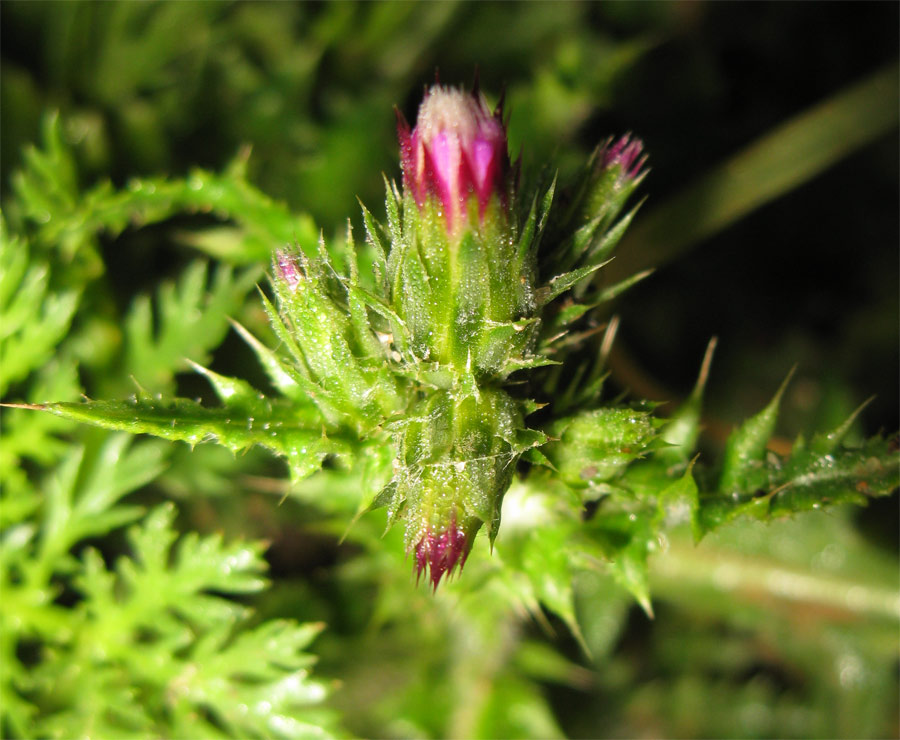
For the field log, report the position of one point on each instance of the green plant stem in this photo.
(683, 569)
(771, 166)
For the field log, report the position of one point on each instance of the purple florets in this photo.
(627, 153)
(440, 552)
(457, 149)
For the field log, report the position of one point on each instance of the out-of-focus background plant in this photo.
(138, 595)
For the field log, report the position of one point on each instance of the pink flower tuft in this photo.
(628, 154)
(440, 552)
(457, 149)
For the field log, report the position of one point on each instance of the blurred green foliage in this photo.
(783, 628)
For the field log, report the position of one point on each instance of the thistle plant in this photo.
(478, 315)
(453, 360)
(424, 355)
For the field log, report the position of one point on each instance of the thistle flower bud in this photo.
(338, 364)
(617, 169)
(456, 460)
(456, 152)
(461, 279)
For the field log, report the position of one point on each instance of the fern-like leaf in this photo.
(191, 320)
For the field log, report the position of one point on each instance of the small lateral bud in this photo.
(628, 154)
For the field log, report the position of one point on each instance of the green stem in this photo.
(683, 569)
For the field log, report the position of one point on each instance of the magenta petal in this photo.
(484, 161)
(446, 158)
(445, 155)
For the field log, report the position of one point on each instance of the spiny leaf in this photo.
(368, 345)
(809, 480)
(561, 283)
(536, 566)
(527, 235)
(375, 237)
(283, 375)
(288, 430)
(284, 334)
(630, 571)
(299, 374)
(525, 363)
(569, 314)
(613, 291)
(534, 226)
(549, 567)
(626, 540)
(400, 335)
(679, 503)
(683, 427)
(824, 444)
(231, 391)
(746, 445)
(604, 246)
